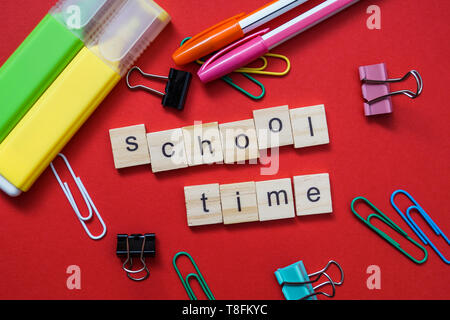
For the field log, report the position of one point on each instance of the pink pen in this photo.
(252, 47)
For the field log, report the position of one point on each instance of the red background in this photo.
(41, 237)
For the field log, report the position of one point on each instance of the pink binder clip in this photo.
(376, 89)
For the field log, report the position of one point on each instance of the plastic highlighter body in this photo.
(75, 94)
(44, 54)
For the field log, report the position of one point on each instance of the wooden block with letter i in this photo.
(309, 126)
(275, 199)
(167, 150)
(203, 204)
(239, 202)
(239, 141)
(312, 194)
(273, 126)
(129, 146)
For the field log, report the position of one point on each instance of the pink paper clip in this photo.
(376, 89)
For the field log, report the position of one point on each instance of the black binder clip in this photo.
(135, 245)
(176, 89)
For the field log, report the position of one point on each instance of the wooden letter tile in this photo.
(239, 142)
(203, 145)
(273, 126)
(167, 151)
(239, 202)
(312, 194)
(275, 199)
(129, 146)
(203, 204)
(309, 126)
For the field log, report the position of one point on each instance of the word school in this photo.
(257, 201)
(231, 142)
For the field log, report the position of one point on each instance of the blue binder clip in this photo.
(413, 225)
(297, 284)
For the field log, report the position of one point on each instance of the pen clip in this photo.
(201, 34)
(232, 46)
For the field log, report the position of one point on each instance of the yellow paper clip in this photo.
(245, 71)
(198, 276)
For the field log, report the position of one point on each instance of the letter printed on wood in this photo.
(203, 145)
(203, 204)
(129, 146)
(167, 150)
(309, 126)
(239, 202)
(275, 199)
(312, 194)
(239, 141)
(273, 127)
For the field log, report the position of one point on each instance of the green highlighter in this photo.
(45, 53)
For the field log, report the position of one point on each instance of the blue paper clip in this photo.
(413, 225)
(297, 284)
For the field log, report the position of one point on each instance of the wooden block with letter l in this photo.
(273, 126)
(167, 150)
(312, 194)
(203, 145)
(309, 126)
(239, 202)
(203, 204)
(129, 146)
(275, 199)
(239, 141)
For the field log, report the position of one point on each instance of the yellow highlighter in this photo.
(75, 94)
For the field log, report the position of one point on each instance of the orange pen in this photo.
(229, 30)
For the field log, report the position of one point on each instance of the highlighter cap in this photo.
(128, 33)
(84, 17)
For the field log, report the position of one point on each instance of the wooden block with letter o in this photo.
(129, 146)
(309, 126)
(203, 204)
(312, 194)
(239, 202)
(275, 199)
(239, 141)
(273, 126)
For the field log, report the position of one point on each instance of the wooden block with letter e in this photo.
(312, 194)
(273, 127)
(203, 204)
(239, 202)
(239, 141)
(309, 126)
(167, 150)
(275, 199)
(129, 146)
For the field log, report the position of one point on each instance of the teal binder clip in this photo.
(297, 284)
(383, 218)
(413, 225)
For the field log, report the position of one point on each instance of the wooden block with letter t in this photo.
(275, 199)
(203, 204)
(239, 141)
(167, 150)
(239, 202)
(129, 146)
(309, 126)
(312, 194)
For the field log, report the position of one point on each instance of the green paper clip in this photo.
(198, 276)
(383, 218)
